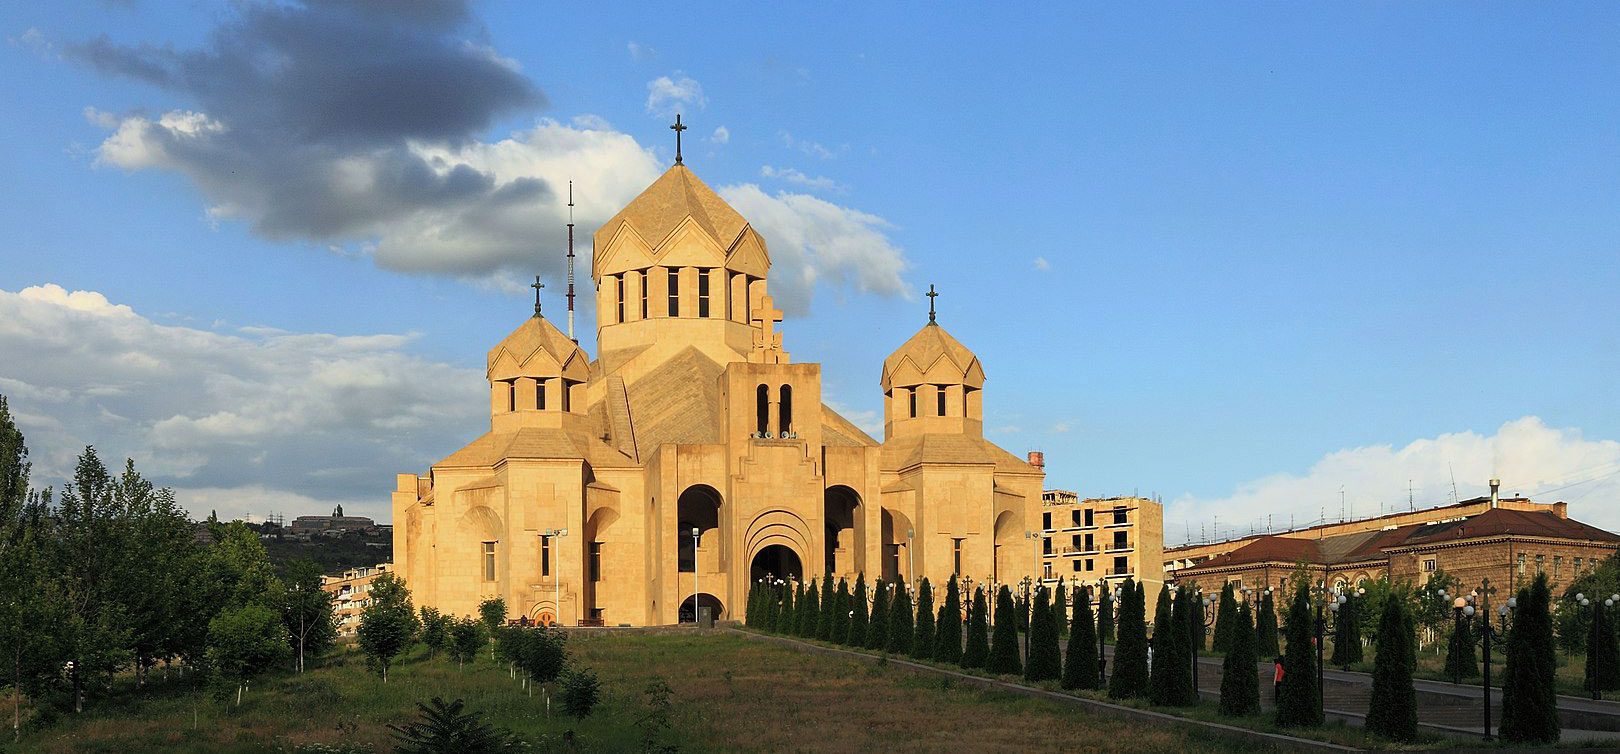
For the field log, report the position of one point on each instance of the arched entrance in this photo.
(776, 561)
(698, 508)
(897, 535)
(689, 612)
(846, 532)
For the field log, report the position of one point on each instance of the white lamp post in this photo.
(695, 533)
(556, 578)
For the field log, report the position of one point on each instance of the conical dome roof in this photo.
(662, 207)
(932, 356)
(537, 349)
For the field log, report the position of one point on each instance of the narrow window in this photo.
(1077, 564)
(1075, 517)
(489, 561)
(1521, 564)
(762, 407)
(939, 394)
(540, 394)
(618, 282)
(786, 411)
(1558, 566)
(1046, 545)
(1047, 570)
(1429, 565)
(703, 292)
(1121, 566)
(1046, 521)
(911, 394)
(644, 287)
(1119, 515)
(674, 291)
(511, 395)
(545, 555)
(596, 561)
(1090, 565)
(1075, 542)
(1089, 521)
(956, 557)
(1540, 560)
(1089, 541)
(567, 395)
(1119, 540)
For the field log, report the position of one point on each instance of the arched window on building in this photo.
(939, 393)
(674, 278)
(785, 422)
(911, 395)
(618, 297)
(762, 408)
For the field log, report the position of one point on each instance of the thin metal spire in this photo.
(571, 262)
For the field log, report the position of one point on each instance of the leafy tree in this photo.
(1003, 659)
(1130, 674)
(1297, 702)
(1060, 609)
(388, 625)
(1240, 687)
(435, 629)
(1529, 697)
(1105, 615)
(1080, 669)
(948, 629)
(825, 616)
(922, 639)
(1602, 654)
(580, 692)
(444, 727)
(542, 654)
(26, 617)
(1573, 622)
(1460, 660)
(307, 614)
(857, 617)
(1433, 611)
(900, 622)
(977, 651)
(244, 642)
(1226, 613)
(492, 613)
(840, 614)
(14, 471)
(1045, 659)
(86, 560)
(464, 638)
(877, 630)
(1265, 627)
(1347, 633)
(1392, 712)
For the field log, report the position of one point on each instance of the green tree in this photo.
(857, 617)
(1297, 702)
(877, 630)
(1265, 627)
(1529, 697)
(1080, 669)
(1226, 613)
(812, 611)
(445, 727)
(244, 642)
(1105, 615)
(840, 614)
(1392, 712)
(1164, 669)
(825, 613)
(786, 613)
(1045, 658)
(1347, 633)
(977, 651)
(1240, 687)
(1602, 653)
(922, 637)
(307, 612)
(900, 621)
(86, 559)
(580, 692)
(1060, 609)
(464, 638)
(1570, 619)
(388, 625)
(543, 654)
(435, 629)
(1003, 659)
(1460, 660)
(948, 629)
(1130, 675)
(492, 613)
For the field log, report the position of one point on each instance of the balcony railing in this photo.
(1120, 572)
(1125, 545)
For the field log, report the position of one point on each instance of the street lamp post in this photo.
(911, 557)
(556, 578)
(1207, 620)
(695, 592)
(1332, 602)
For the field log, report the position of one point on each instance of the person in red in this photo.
(1276, 678)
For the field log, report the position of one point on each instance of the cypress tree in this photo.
(877, 629)
(1105, 615)
(977, 651)
(1191, 614)
(1003, 657)
(948, 629)
(1529, 698)
(1392, 712)
(1021, 604)
(787, 615)
(1602, 652)
(1130, 675)
(1347, 634)
(1297, 702)
(825, 616)
(900, 621)
(1265, 628)
(1460, 660)
(840, 614)
(753, 604)
(1225, 616)
(1163, 685)
(857, 617)
(1240, 686)
(922, 638)
(1045, 659)
(811, 613)
(1060, 608)
(1080, 661)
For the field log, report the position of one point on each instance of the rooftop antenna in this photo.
(1410, 504)
(1454, 498)
(571, 263)
(1341, 503)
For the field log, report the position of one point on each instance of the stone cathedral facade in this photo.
(692, 455)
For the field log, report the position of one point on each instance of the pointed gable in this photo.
(932, 356)
(537, 349)
(665, 219)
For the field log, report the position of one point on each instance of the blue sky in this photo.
(1239, 259)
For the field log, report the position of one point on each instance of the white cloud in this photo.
(256, 413)
(667, 94)
(1059, 428)
(639, 51)
(1545, 463)
(722, 135)
(34, 41)
(798, 178)
(812, 148)
(868, 420)
(591, 122)
(812, 240)
(1042, 264)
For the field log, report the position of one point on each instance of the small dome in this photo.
(538, 349)
(677, 195)
(932, 356)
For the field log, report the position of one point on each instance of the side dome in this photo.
(932, 356)
(932, 384)
(536, 368)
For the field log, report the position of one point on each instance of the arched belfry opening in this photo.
(762, 411)
(846, 532)
(698, 508)
(785, 410)
(776, 562)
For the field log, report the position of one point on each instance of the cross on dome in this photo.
(677, 128)
(931, 296)
(537, 285)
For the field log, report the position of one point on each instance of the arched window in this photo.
(762, 406)
(540, 394)
(618, 297)
(939, 393)
(911, 393)
(788, 411)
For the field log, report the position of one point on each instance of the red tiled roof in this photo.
(1501, 521)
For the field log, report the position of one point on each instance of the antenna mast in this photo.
(571, 262)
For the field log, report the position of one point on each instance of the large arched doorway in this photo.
(689, 607)
(698, 508)
(777, 562)
(846, 533)
(897, 536)
(1009, 537)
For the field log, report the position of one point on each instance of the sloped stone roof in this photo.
(933, 353)
(537, 335)
(660, 208)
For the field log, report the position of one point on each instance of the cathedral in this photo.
(692, 455)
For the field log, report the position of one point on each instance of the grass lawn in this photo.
(730, 693)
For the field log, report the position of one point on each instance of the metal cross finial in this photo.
(931, 296)
(677, 128)
(537, 285)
